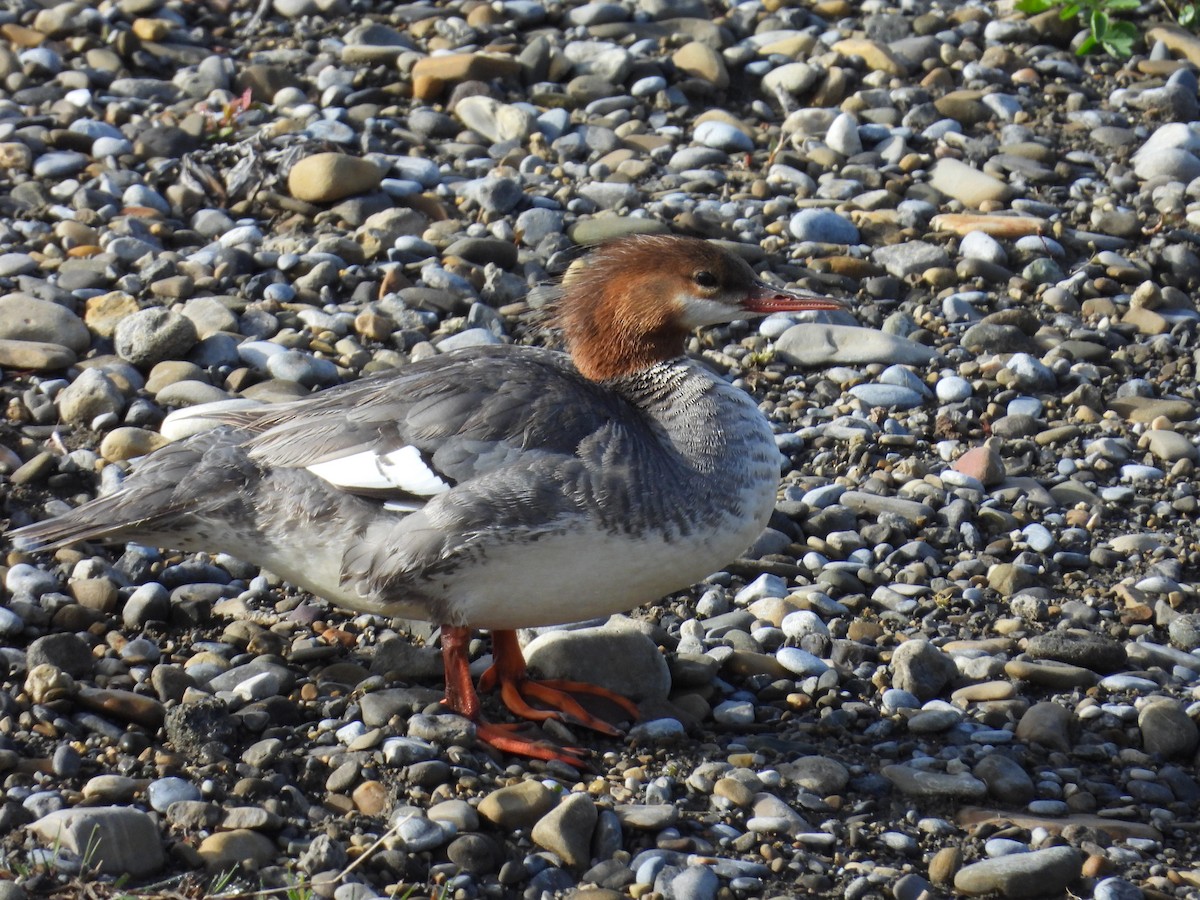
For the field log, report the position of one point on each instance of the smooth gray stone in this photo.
(813, 344)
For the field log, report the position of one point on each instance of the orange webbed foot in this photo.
(518, 692)
(554, 696)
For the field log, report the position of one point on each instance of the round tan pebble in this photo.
(865, 632)
(19, 36)
(1097, 867)
(772, 609)
(945, 863)
(230, 848)
(46, 683)
(370, 798)
(128, 442)
(102, 313)
(734, 791)
(172, 371)
(483, 16)
(15, 155)
(110, 788)
(94, 593)
(374, 326)
(326, 177)
(151, 29)
(518, 805)
(207, 657)
(703, 62)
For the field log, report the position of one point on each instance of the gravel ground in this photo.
(964, 659)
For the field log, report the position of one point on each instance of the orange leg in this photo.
(461, 697)
(516, 689)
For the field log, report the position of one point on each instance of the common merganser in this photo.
(496, 487)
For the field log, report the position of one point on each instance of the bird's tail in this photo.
(189, 476)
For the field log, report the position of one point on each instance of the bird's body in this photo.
(500, 487)
(632, 497)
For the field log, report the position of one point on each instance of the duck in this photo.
(495, 487)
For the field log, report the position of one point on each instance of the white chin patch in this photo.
(402, 469)
(699, 312)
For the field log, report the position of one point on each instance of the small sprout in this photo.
(1114, 36)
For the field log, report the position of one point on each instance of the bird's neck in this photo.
(620, 334)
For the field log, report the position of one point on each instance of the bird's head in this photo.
(631, 303)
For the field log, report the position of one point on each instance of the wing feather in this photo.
(409, 434)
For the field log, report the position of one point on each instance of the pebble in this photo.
(328, 177)
(416, 833)
(811, 346)
(162, 792)
(1167, 729)
(822, 226)
(225, 848)
(566, 830)
(1006, 780)
(495, 120)
(37, 356)
(953, 389)
(117, 840)
(24, 318)
(1084, 649)
(921, 668)
(723, 136)
(584, 654)
(1046, 723)
(982, 246)
(517, 806)
(910, 258)
(935, 785)
(152, 335)
(1031, 874)
(966, 184)
(91, 396)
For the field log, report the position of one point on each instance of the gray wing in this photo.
(465, 414)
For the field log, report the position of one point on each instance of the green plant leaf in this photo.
(1121, 5)
(1070, 11)
(1119, 39)
(1087, 46)
(1033, 7)
(1187, 15)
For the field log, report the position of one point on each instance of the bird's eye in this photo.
(705, 279)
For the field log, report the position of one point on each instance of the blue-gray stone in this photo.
(888, 396)
(953, 389)
(693, 883)
(162, 792)
(904, 377)
(59, 163)
(823, 226)
(294, 365)
(723, 136)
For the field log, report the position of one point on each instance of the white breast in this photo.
(584, 574)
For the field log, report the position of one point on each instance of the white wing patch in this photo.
(183, 423)
(401, 469)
